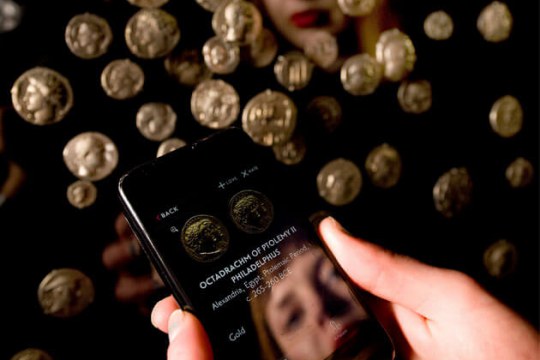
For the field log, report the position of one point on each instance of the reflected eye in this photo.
(293, 320)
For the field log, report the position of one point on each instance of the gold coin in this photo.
(170, 145)
(500, 258)
(188, 67)
(520, 173)
(361, 74)
(438, 25)
(292, 151)
(396, 52)
(90, 156)
(339, 182)
(251, 211)
(415, 96)
(327, 111)
(322, 48)
(452, 192)
(269, 118)
(210, 5)
(205, 238)
(156, 121)
(152, 33)
(215, 104)
(506, 116)
(42, 96)
(263, 50)
(293, 70)
(81, 194)
(383, 166)
(357, 7)
(237, 21)
(31, 354)
(220, 56)
(88, 36)
(148, 3)
(122, 79)
(65, 292)
(495, 22)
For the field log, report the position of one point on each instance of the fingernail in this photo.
(337, 225)
(153, 315)
(175, 321)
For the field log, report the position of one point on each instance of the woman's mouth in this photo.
(310, 18)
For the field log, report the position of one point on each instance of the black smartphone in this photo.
(220, 223)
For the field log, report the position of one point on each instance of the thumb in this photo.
(187, 338)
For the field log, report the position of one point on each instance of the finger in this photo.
(121, 226)
(162, 311)
(187, 338)
(130, 288)
(120, 253)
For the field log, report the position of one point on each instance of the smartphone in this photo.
(220, 223)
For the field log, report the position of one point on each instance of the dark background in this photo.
(40, 231)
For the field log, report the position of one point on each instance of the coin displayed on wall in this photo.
(452, 192)
(292, 151)
(32, 354)
(438, 25)
(65, 292)
(361, 74)
(415, 96)
(10, 15)
(495, 22)
(215, 104)
(500, 258)
(383, 166)
(326, 111)
(42, 96)
(81, 194)
(520, 173)
(339, 182)
(237, 21)
(322, 48)
(263, 50)
(269, 118)
(187, 67)
(506, 116)
(251, 211)
(357, 7)
(90, 156)
(170, 145)
(293, 70)
(152, 33)
(122, 79)
(395, 50)
(156, 121)
(210, 5)
(148, 3)
(220, 56)
(205, 238)
(88, 36)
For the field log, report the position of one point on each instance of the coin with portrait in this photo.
(339, 181)
(251, 211)
(415, 96)
(237, 21)
(438, 25)
(395, 50)
(361, 74)
(519, 173)
(156, 120)
(81, 194)
(506, 116)
(122, 79)
(205, 238)
(383, 166)
(215, 104)
(292, 151)
(220, 56)
(88, 35)
(495, 22)
(187, 67)
(500, 258)
(452, 192)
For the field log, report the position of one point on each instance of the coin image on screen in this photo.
(251, 211)
(205, 238)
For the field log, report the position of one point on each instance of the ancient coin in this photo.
(152, 33)
(170, 145)
(122, 79)
(65, 292)
(396, 52)
(500, 258)
(42, 96)
(148, 3)
(90, 156)
(383, 166)
(357, 7)
(415, 96)
(339, 181)
(361, 74)
(263, 50)
(237, 21)
(31, 354)
(495, 22)
(251, 211)
(452, 192)
(220, 56)
(210, 5)
(269, 118)
(205, 238)
(506, 116)
(322, 48)
(326, 111)
(520, 173)
(10, 15)
(156, 120)
(292, 151)
(81, 194)
(88, 36)
(187, 67)
(438, 25)
(215, 104)
(293, 70)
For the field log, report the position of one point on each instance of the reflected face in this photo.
(298, 20)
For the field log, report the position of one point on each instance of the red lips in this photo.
(306, 19)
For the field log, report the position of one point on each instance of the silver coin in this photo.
(88, 36)
(438, 25)
(170, 145)
(90, 156)
(237, 21)
(292, 151)
(361, 74)
(506, 116)
(519, 173)
(383, 166)
(263, 50)
(10, 15)
(148, 3)
(452, 192)
(220, 56)
(327, 111)
(81, 194)
(322, 48)
(31, 354)
(495, 22)
(156, 121)
(210, 5)
(42, 96)
(357, 7)
(251, 211)
(65, 292)
(415, 96)
(205, 238)
(122, 79)
(395, 50)
(215, 104)
(501, 258)
(152, 33)
(269, 118)
(339, 182)
(293, 70)
(188, 67)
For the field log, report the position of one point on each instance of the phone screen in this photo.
(236, 250)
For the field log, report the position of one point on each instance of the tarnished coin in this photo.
(65, 292)
(10, 15)
(32, 354)
(293, 70)
(500, 258)
(215, 104)
(263, 50)
(42, 96)
(415, 96)
(339, 182)
(439, 25)
(88, 36)
(495, 22)
(322, 48)
(210, 5)
(170, 145)
(452, 192)
(520, 173)
(148, 3)
(327, 111)
(396, 52)
(91, 156)
(383, 166)
(292, 151)
(506, 116)
(251, 211)
(152, 33)
(237, 21)
(122, 79)
(357, 7)
(156, 121)
(269, 118)
(361, 74)
(188, 67)
(205, 238)
(81, 194)
(220, 56)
